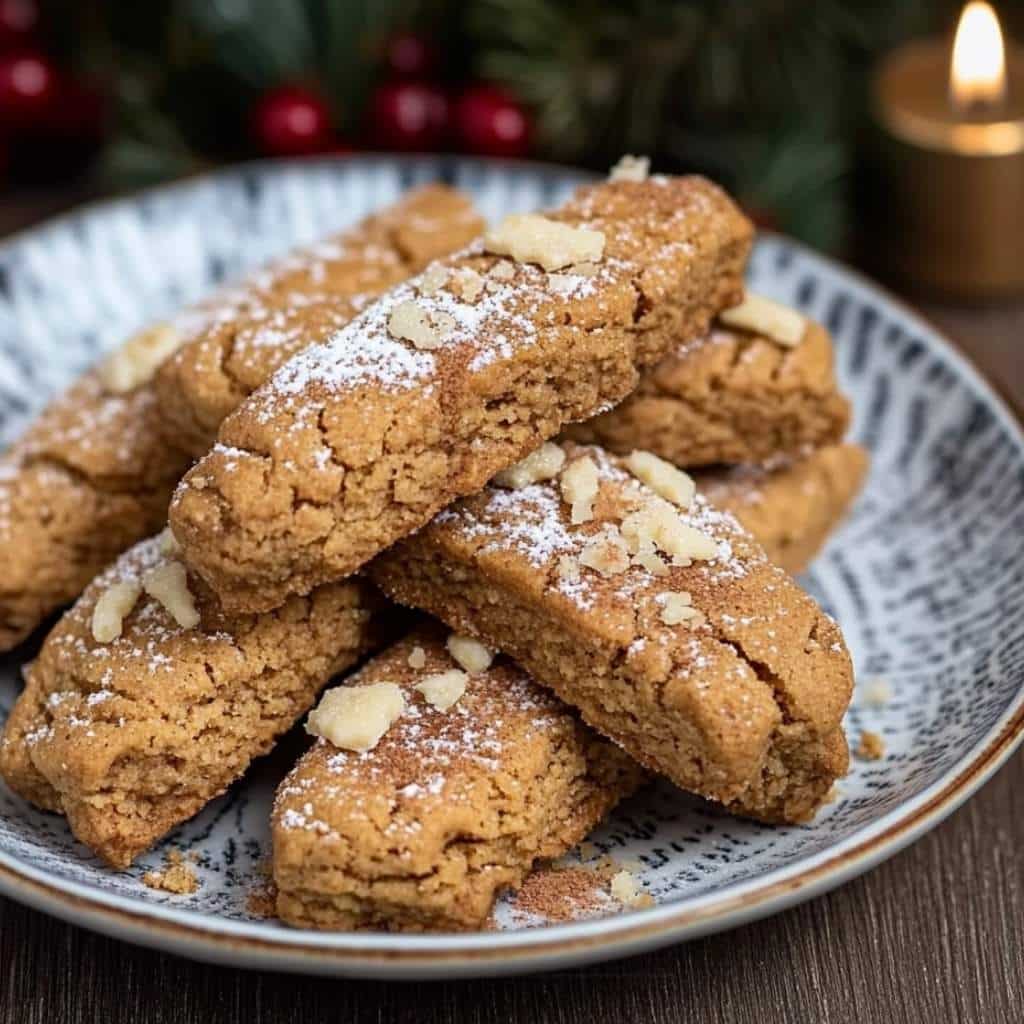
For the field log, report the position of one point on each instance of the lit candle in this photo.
(950, 194)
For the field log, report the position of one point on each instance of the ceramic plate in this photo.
(926, 579)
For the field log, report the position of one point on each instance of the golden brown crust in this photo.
(423, 831)
(132, 737)
(729, 397)
(356, 443)
(95, 472)
(743, 707)
(793, 507)
(301, 300)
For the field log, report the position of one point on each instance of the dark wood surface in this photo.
(935, 935)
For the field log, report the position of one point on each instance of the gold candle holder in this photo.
(949, 195)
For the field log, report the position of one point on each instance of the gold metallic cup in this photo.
(948, 183)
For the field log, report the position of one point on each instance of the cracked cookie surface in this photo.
(740, 698)
(359, 441)
(96, 471)
(732, 397)
(450, 807)
(130, 737)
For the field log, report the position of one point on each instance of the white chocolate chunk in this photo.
(137, 359)
(771, 319)
(469, 653)
(356, 717)
(112, 607)
(168, 584)
(579, 486)
(444, 689)
(662, 477)
(531, 238)
(630, 168)
(417, 657)
(543, 464)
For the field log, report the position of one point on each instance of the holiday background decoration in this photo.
(765, 95)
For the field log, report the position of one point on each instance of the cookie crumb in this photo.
(469, 653)
(623, 888)
(561, 894)
(630, 168)
(168, 584)
(543, 464)
(261, 900)
(112, 607)
(356, 717)
(531, 238)
(871, 746)
(444, 689)
(177, 877)
(770, 319)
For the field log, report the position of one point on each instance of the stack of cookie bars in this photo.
(572, 445)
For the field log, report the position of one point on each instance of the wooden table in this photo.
(936, 934)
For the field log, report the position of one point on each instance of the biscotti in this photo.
(146, 701)
(301, 300)
(654, 614)
(95, 472)
(790, 508)
(733, 397)
(477, 774)
(451, 377)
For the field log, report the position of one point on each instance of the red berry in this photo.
(292, 121)
(28, 84)
(407, 55)
(18, 22)
(409, 116)
(491, 122)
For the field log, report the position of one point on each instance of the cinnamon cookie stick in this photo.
(95, 472)
(441, 784)
(146, 701)
(452, 377)
(652, 612)
(737, 395)
(790, 508)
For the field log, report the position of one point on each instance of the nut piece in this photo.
(543, 464)
(410, 322)
(469, 653)
(631, 168)
(417, 657)
(169, 543)
(530, 238)
(606, 553)
(168, 583)
(444, 689)
(656, 525)
(568, 568)
(762, 316)
(502, 271)
(434, 279)
(579, 488)
(137, 359)
(662, 477)
(467, 284)
(677, 608)
(356, 717)
(623, 887)
(113, 606)
(651, 562)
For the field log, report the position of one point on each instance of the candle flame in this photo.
(978, 70)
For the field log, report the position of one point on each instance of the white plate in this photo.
(926, 579)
